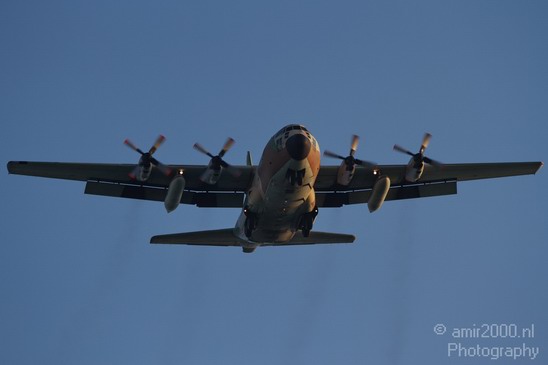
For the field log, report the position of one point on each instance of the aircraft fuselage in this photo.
(281, 199)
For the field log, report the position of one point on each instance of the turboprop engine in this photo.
(174, 193)
(143, 169)
(348, 166)
(215, 167)
(379, 193)
(415, 167)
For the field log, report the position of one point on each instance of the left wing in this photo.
(114, 180)
(433, 182)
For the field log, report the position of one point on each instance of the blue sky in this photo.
(79, 281)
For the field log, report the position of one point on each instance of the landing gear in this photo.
(295, 178)
(306, 228)
(307, 221)
(250, 222)
(249, 226)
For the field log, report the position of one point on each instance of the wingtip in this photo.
(12, 166)
(540, 165)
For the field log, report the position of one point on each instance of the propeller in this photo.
(419, 156)
(217, 161)
(350, 160)
(146, 157)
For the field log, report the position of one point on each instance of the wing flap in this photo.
(338, 199)
(200, 199)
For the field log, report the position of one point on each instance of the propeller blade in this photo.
(128, 143)
(425, 141)
(163, 168)
(233, 170)
(363, 163)
(157, 144)
(198, 147)
(333, 155)
(134, 172)
(203, 176)
(432, 162)
(354, 144)
(399, 148)
(217, 161)
(228, 145)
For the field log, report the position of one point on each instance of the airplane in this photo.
(280, 197)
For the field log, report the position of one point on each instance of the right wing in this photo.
(113, 180)
(365, 179)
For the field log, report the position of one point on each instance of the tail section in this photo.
(226, 237)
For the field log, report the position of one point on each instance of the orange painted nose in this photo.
(298, 147)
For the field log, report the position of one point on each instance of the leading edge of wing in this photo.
(476, 171)
(119, 173)
(364, 178)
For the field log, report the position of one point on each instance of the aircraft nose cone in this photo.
(298, 146)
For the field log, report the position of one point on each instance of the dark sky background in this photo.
(81, 284)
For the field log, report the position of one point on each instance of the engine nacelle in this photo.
(414, 170)
(379, 193)
(345, 174)
(174, 193)
(144, 169)
(211, 176)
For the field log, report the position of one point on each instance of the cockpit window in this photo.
(292, 127)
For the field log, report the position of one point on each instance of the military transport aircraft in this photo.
(279, 198)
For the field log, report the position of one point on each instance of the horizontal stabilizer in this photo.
(316, 238)
(218, 237)
(226, 237)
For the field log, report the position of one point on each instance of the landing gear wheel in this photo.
(248, 249)
(306, 225)
(307, 222)
(250, 224)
